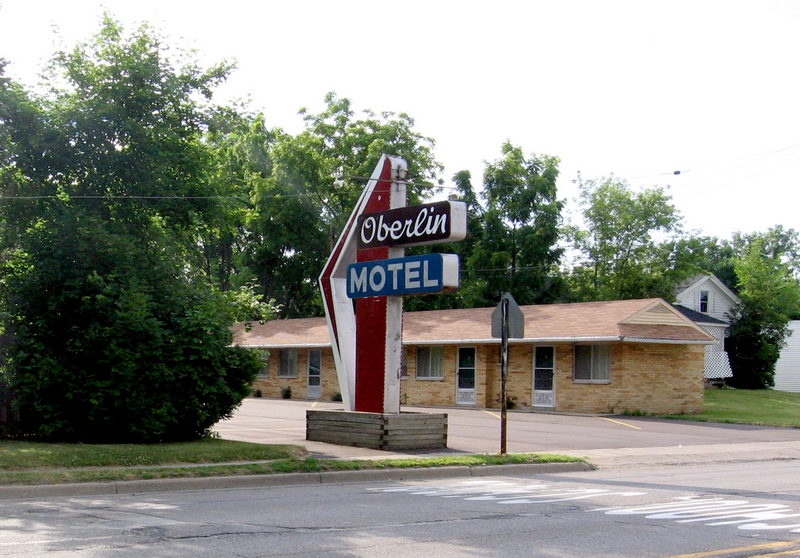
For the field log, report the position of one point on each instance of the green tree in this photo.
(515, 248)
(242, 161)
(770, 295)
(715, 256)
(114, 333)
(315, 178)
(620, 255)
(460, 298)
(777, 243)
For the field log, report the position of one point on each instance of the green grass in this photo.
(744, 406)
(40, 463)
(28, 455)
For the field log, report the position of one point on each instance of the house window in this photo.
(288, 366)
(264, 357)
(592, 363)
(430, 363)
(704, 301)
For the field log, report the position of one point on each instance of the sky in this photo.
(634, 89)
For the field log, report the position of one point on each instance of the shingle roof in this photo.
(698, 317)
(642, 320)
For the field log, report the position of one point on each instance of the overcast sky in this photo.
(637, 89)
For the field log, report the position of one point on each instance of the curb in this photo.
(282, 479)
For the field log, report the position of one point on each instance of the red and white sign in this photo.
(366, 341)
(366, 330)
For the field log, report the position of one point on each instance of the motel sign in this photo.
(431, 273)
(367, 275)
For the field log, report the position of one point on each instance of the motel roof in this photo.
(643, 320)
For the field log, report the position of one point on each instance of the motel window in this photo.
(430, 363)
(288, 366)
(704, 302)
(592, 363)
(264, 370)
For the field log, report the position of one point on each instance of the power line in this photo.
(98, 197)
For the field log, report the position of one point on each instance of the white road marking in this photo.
(711, 511)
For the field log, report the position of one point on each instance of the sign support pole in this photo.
(504, 378)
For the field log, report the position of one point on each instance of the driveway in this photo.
(605, 440)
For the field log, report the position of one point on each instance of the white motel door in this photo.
(314, 374)
(466, 376)
(543, 368)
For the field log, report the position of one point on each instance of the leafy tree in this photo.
(300, 206)
(241, 145)
(464, 249)
(620, 255)
(515, 248)
(113, 331)
(715, 256)
(770, 295)
(777, 243)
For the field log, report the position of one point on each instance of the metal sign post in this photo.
(507, 321)
(504, 377)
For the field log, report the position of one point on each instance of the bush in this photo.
(753, 348)
(116, 344)
(112, 331)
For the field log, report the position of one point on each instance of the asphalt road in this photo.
(737, 494)
(717, 510)
(605, 440)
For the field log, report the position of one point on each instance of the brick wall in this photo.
(272, 384)
(651, 378)
(423, 391)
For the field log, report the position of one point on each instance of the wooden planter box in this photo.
(377, 430)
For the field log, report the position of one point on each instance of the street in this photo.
(702, 510)
(663, 489)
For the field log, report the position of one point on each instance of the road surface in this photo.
(718, 510)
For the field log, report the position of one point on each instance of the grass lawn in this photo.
(42, 463)
(27, 455)
(744, 406)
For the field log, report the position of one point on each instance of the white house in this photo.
(787, 369)
(708, 295)
(707, 301)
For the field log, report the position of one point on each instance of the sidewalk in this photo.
(605, 457)
(684, 455)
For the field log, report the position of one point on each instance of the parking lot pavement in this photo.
(606, 440)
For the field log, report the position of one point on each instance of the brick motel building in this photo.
(595, 357)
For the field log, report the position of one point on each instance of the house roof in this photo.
(699, 317)
(644, 320)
